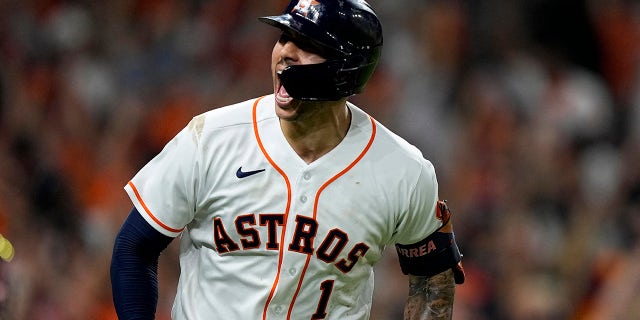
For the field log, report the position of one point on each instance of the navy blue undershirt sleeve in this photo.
(134, 268)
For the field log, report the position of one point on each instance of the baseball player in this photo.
(284, 203)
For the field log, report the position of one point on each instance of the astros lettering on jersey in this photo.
(266, 235)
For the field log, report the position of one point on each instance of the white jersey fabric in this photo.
(265, 235)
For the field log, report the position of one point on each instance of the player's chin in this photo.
(287, 111)
(291, 111)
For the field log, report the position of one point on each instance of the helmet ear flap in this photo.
(314, 82)
(327, 81)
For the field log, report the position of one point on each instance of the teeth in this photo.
(282, 95)
(283, 99)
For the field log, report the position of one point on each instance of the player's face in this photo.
(291, 51)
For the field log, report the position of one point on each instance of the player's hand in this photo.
(445, 214)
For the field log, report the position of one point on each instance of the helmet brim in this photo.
(307, 30)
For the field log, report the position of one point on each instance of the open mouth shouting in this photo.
(282, 96)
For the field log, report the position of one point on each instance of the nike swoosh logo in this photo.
(243, 174)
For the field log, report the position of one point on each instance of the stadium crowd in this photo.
(529, 110)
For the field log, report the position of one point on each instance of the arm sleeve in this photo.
(134, 268)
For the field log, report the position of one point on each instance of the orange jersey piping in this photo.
(146, 209)
(315, 206)
(286, 213)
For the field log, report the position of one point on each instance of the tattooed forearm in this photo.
(430, 297)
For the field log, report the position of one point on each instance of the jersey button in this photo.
(292, 271)
(306, 176)
(303, 199)
(278, 309)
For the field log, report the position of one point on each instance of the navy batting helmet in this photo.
(351, 35)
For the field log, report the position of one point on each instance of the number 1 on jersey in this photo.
(321, 312)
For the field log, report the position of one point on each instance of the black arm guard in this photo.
(433, 255)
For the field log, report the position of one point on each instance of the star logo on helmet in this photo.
(304, 6)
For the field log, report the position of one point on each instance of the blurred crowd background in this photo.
(529, 110)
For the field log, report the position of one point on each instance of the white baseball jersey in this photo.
(266, 235)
